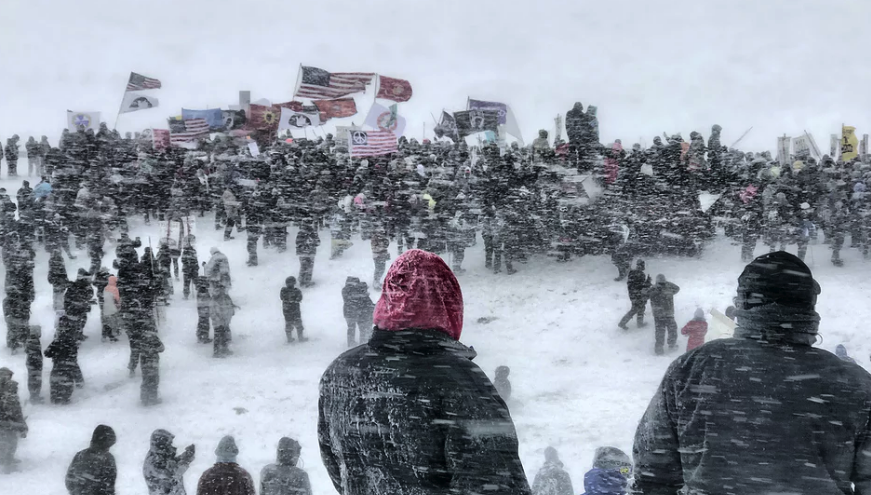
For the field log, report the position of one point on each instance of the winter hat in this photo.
(780, 278)
(640, 265)
(551, 455)
(612, 458)
(213, 250)
(290, 281)
(5, 373)
(841, 351)
(699, 314)
(82, 273)
(503, 371)
(420, 292)
(227, 450)
(103, 438)
(36, 330)
(660, 279)
(288, 451)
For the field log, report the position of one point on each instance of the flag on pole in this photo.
(337, 109)
(187, 131)
(849, 143)
(372, 143)
(264, 117)
(394, 89)
(134, 101)
(291, 119)
(447, 127)
(385, 119)
(138, 82)
(474, 121)
(322, 85)
(160, 138)
(506, 116)
(500, 108)
(83, 121)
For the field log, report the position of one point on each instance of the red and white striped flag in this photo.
(319, 84)
(138, 82)
(187, 131)
(372, 143)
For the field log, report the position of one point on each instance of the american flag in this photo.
(372, 143)
(187, 131)
(138, 82)
(319, 84)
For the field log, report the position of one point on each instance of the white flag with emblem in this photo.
(83, 121)
(134, 100)
(291, 119)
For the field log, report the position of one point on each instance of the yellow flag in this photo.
(849, 143)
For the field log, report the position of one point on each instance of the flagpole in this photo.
(120, 107)
(377, 87)
(296, 85)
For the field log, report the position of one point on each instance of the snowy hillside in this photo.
(780, 66)
(579, 382)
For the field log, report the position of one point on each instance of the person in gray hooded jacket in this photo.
(552, 479)
(163, 470)
(284, 477)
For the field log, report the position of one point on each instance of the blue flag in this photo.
(214, 116)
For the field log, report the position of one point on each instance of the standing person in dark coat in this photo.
(637, 283)
(307, 242)
(291, 297)
(150, 349)
(64, 355)
(502, 383)
(453, 434)
(162, 469)
(34, 361)
(190, 266)
(77, 302)
(357, 310)
(226, 477)
(93, 470)
(794, 401)
(12, 423)
(552, 479)
(204, 302)
(284, 477)
(12, 156)
(661, 296)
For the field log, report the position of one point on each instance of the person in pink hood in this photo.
(408, 412)
(696, 329)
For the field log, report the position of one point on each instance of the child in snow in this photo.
(841, 352)
(284, 477)
(204, 301)
(111, 306)
(610, 474)
(290, 299)
(696, 330)
(503, 386)
(33, 362)
(552, 479)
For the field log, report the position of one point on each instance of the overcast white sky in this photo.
(650, 66)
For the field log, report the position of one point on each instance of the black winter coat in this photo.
(757, 417)
(637, 282)
(356, 300)
(93, 470)
(662, 299)
(290, 299)
(78, 296)
(409, 413)
(190, 264)
(307, 243)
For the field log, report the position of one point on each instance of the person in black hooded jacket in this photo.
(552, 479)
(93, 470)
(764, 411)
(408, 412)
(64, 355)
(77, 301)
(357, 309)
(637, 283)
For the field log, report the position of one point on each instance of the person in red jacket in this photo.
(696, 330)
(226, 477)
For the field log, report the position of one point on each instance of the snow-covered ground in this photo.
(579, 382)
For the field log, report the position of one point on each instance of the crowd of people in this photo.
(430, 198)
